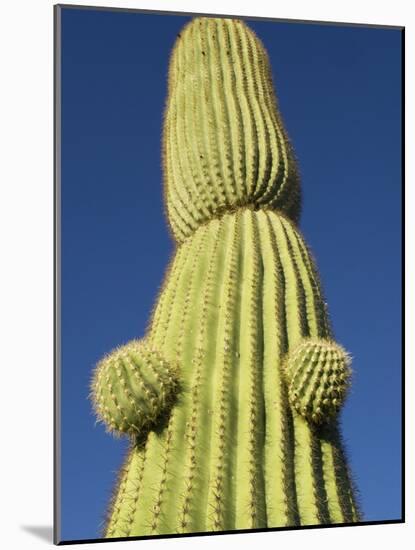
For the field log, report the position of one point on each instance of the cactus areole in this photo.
(231, 399)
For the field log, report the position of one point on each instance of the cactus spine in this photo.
(245, 432)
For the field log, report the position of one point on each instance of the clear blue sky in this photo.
(339, 90)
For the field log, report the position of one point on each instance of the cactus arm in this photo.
(133, 388)
(318, 375)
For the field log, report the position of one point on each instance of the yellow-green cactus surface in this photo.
(231, 400)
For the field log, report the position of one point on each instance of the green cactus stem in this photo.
(244, 433)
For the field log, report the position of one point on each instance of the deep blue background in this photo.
(339, 90)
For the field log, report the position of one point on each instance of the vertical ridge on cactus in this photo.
(244, 433)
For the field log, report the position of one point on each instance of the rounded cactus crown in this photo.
(224, 142)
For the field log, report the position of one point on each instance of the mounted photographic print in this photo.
(228, 274)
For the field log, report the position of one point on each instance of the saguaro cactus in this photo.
(231, 400)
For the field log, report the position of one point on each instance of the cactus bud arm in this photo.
(318, 375)
(132, 388)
